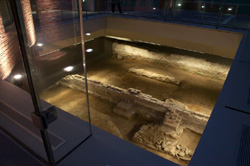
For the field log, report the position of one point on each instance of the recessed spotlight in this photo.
(68, 69)
(18, 76)
(89, 50)
(154, 8)
(88, 34)
(179, 4)
(39, 44)
(230, 9)
(202, 6)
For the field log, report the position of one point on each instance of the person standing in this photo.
(118, 3)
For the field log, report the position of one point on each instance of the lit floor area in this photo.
(199, 92)
(73, 102)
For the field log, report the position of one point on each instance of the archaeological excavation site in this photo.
(156, 97)
(124, 83)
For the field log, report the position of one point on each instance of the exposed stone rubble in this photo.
(156, 76)
(151, 135)
(195, 65)
(144, 105)
(181, 152)
(134, 91)
(156, 137)
(192, 120)
(175, 116)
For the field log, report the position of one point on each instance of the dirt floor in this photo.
(199, 93)
(74, 102)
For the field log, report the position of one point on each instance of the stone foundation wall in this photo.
(144, 105)
(9, 48)
(194, 65)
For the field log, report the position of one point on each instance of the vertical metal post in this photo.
(166, 9)
(86, 8)
(84, 63)
(235, 15)
(127, 5)
(202, 14)
(62, 14)
(33, 92)
(219, 14)
(108, 5)
(98, 4)
(174, 8)
(103, 6)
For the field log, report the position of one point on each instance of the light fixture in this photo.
(179, 4)
(68, 69)
(154, 8)
(202, 6)
(39, 44)
(89, 50)
(230, 9)
(18, 76)
(87, 34)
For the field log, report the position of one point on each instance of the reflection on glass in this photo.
(123, 74)
(15, 100)
(50, 40)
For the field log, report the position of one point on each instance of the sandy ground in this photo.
(74, 102)
(199, 93)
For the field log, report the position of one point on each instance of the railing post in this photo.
(86, 8)
(174, 8)
(219, 14)
(202, 14)
(235, 15)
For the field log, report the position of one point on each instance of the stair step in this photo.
(125, 114)
(125, 106)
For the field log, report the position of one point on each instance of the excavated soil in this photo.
(74, 102)
(198, 92)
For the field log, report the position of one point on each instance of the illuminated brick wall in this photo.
(52, 18)
(52, 28)
(9, 49)
(9, 46)
(28, 20)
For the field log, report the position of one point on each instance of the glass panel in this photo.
(210, 12)
(227, 17)
(91, 8)
(147, 8)
(187, 11)
(102, 6)
(54, 53)
(15, 99)
(242, 16)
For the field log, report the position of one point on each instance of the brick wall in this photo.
(28, 20)
(53, 23)
(9, 49)
(52, 28)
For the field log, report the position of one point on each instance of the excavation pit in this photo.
(159, 99)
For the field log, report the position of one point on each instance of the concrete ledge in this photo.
(211, 41)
